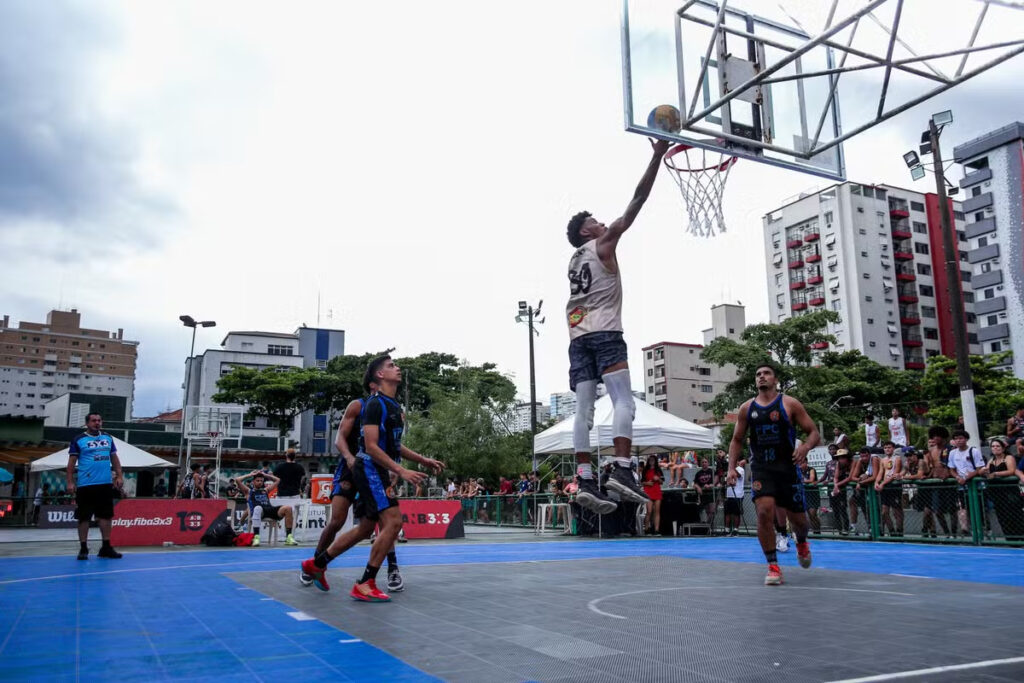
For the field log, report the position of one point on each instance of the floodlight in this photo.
(953, 191)
(917, 172)
(523, 306)
(188, 320)
(925, 148)
(911, 159)
(943, 118)
(208, 323)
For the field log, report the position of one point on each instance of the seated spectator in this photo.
(160, 489)
(676, 469)
(450, 491)
(232, 490)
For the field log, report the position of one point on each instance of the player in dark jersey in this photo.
(260, 507)
(775, 460)
(380, 453)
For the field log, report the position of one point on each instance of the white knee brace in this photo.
(583, 422)
(619, 389)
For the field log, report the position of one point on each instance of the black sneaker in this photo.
(591, 498)
(623, 483)
(395, 582)
(83, 554)
(109, 552)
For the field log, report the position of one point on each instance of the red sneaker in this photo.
(803, 554)
(368, 592)
(318, 575)
(774, 576)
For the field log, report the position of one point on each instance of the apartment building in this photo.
(874, 254)
(40, 362)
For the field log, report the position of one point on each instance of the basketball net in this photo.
(701, 178)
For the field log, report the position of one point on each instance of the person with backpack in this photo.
(965, 463)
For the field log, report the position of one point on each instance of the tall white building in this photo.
(40, 362)
(874, 254)
(519, 421)
(676, 378)
(993, 185)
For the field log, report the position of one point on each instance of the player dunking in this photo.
(775, 461)
(380, 453)
(597, 351)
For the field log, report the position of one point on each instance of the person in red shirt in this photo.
(505, 487)
(651, 480)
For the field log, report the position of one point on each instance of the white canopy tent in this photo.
(129, 455)
(654, 431)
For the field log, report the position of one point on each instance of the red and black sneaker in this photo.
(774, 576)
(318, 575)
(803, 554)
(368, 592)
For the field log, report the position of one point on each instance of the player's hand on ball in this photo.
(660, 146)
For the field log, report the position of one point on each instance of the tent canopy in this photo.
(654, 431)
(129, 455)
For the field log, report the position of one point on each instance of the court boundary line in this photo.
(933, 670)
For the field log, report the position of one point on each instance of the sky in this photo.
(409, 165)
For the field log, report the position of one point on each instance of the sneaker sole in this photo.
(595, 504)
(305, 579)
(364, 598)
(772, 582)
(805, 562)
(626, 492)
(396, 589)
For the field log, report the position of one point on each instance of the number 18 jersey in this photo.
(772, 436)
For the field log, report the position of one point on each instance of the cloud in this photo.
(66, 166)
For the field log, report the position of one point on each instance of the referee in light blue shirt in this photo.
(95, 455)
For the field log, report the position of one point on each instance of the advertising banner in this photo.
(432, 518)
(57, 517)
(149, 521)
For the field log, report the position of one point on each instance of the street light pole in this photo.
(956, 294)
(528, 315)
(188, 321)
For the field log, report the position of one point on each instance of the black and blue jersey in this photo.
(386, 414)
(93, 453)
(772, 435)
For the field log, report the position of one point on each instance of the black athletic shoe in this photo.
(623, 483)
(590, 497)
(109, 553)
(83, 554)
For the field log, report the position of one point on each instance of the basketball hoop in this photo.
(702, 180)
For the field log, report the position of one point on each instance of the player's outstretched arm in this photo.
(412, 455)
(607, 242)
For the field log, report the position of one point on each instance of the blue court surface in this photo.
(178, 614)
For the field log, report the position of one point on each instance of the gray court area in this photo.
(669, 619)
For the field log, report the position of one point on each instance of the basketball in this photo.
(665, 118)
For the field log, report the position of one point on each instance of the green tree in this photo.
(997, 393)
(276, 393)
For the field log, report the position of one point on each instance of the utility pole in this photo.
(956, 294)
(189, 321)
(528, 314)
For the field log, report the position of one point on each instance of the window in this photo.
(279, 350)
(992, 320)
(894, 351)
(959, 215)
(982, 242)
(777, 258)
(828, 218)
(924, 269)
(996, 346)
(976, 190)
(246, 345)
(972, 318)
(778, 279)
(920, 248)
(860, 209)
(916, 206)
(864, 254)
(871, 321)
(775, 239)
(650, 389)
(867, 276)
(965, 275)
(963, 255)
(891, 327)
(986, 267)
(871, 344)
(868, 298)
(704, 371)
(926, 290)
(931, 333)
(920, 228)
(650, 372)
(990, 293)
(969, 297)
(927, 311)
(972, 338)
(862, 231)
(833, 283)
(836, 305)
(649, 355)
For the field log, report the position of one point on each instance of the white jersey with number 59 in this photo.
(595, 294)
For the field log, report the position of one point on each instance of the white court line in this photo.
(350, 640)
(934, 670)
(592, 605)
(912, 576)
(301, 616)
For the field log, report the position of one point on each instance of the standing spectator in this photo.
(813, 495)
(889, 490)
(914, 470)
(651, 479)
(535, 482)
(505, 487)
(898, 430)
(840, 439)
(704, 483)
(94, 471)
(837, 497)
(734, 501)
(37, 503)
(1003, 492)
(965, 463)
(290, 474)
(206, 481)
(943, 499)
(160, 490)
(449, 491)
(865, 469)
(232, 490)
(870, 432)
(191, 485)
(1015, 432)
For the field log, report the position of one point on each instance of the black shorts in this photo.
(783, 483)
(707, 499)
(375, 492)
(272, 512)
(592, 353)
(922, 499)
(892, 496)
(344, 485)
(94, 501)
(734, 506)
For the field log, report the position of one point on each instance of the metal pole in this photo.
(184, 399)
(956, 304)
(533, 392)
